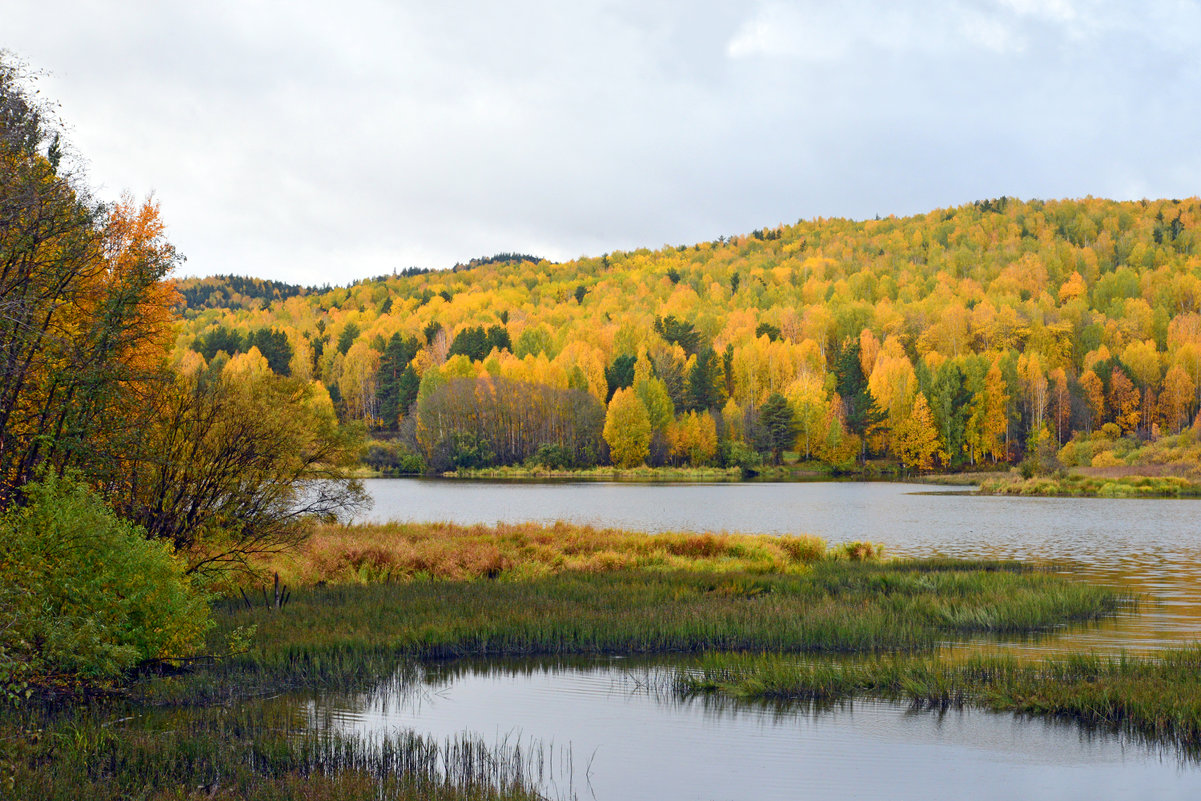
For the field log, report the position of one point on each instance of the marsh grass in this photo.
(1156, 698)
(340, 635)
(1074, 485)
(377, 597)
(400, 552)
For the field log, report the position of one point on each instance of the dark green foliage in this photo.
(950, 403)
(772, 332)
(735, 453)
(553, 457)
(274, 346)
(775, 428)
(620, 374)
(392, 458)
(862, 414)
(727, 369)
(678, 332)
(346, 339)
(431, 331)
(218, 339)
(271, 342)
(702, 392)
(476, 342)
(234, 292)
(580, 292)
(499, 258)
(397, 381)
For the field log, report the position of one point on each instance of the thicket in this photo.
(84, 595)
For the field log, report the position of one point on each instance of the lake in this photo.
(617, 734)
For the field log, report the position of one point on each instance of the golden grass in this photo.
(398, 552)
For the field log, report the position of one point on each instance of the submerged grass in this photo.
(1157, 698)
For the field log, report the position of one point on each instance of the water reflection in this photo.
(618, 732)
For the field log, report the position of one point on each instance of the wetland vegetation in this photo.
(1157, 698)
(175, 733)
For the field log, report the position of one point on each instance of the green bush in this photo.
(391, 457)
(85, 596)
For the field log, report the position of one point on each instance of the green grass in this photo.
(335, 634)
(1157, 698)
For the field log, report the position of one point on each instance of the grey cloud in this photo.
(296, 141)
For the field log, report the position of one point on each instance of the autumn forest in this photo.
(984, 334)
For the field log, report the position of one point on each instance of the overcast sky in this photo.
(321, 142)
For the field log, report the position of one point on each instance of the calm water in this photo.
(616, 735)
(608, 733)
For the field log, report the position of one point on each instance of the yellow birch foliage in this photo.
(627, 429)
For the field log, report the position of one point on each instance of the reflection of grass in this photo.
(1156, 697)
(1076, 485)
(261, 752)
(397, 552)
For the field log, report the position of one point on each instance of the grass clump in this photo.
(1158, 698)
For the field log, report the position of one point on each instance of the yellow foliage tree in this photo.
(627, 429)
(917, 443)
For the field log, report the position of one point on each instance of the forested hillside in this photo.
(963, 336)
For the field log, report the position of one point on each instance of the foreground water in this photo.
(608, 729)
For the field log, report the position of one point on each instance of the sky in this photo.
(314, 142)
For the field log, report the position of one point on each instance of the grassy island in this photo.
(1157, 698)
